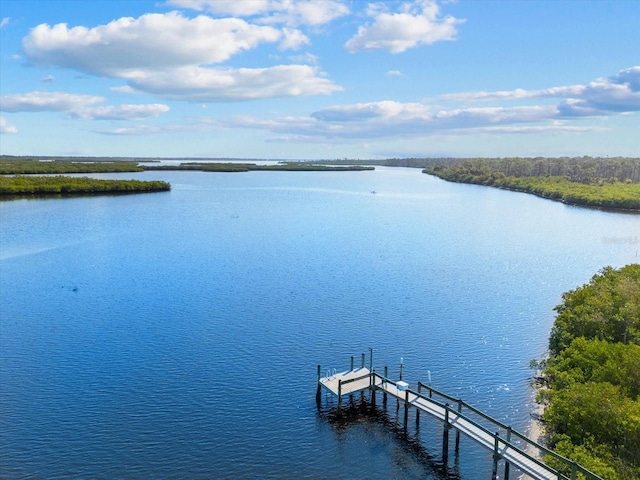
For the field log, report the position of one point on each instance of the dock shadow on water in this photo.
(381, 427)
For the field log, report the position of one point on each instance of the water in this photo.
(176, 335)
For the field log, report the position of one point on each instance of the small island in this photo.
(26, 185)
(23, 176)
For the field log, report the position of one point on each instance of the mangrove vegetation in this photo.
(18, 165)
(28, 185)
(612, 183)
(591, 379)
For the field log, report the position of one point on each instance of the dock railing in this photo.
(541, 449)
(507, 444)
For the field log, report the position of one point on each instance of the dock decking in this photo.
(497, 437)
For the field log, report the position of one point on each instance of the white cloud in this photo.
(4, 22)
(418, 23)
(212, 85)
(226, 7)
(122, 112)
(48, 79)
(287, 12)
(78, 106)
(153, 42)
(172, 56)
(6, 127)
(615, 95)
(394, 73)
(46, 102)
(293, 39)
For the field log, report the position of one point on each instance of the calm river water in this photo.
(176, 335)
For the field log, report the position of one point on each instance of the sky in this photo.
(320, 79)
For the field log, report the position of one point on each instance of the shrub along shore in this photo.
(589, 182)
(590, 383)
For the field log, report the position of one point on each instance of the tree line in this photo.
(587, 181)
(591, 378)
(20, 166)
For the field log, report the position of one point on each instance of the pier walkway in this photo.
(508, 445)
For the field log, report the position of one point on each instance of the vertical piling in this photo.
(372, 386)
(445, 435)
(406, 409)
(457, 449)
(318, 394)
(384, 395)
(351, 363)
(496, 457)
(507, 466)
(363, 360)
(417, 409)
(339, 396)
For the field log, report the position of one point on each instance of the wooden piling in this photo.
(445, 434)
(318, 392)
(417, 409)
(457, 448)
(384, 395)
(406, 409)
(496, 456)
(507, 466)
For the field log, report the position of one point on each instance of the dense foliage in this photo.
(592, 375)
(62, 185)
(596, 182)
(13, 166)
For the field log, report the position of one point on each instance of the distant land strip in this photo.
(246, 167)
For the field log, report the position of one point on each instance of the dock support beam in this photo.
(496, 457)
(506, 463)
(406, 409)
(445, 435)
(417, 409)
(318, 394)
(339, 396)
(384, 395)
(457, 450)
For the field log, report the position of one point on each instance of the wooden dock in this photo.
(508, 445)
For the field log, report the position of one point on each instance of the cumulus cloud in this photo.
(77, 106)
(173, 56)
(617, 94)
(153, 42)
(122, 112)
(46, 102)
(220, 84)
(4, 22)
(418, 23)
(287, 12)
(6, 127)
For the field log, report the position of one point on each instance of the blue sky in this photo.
(320, 79)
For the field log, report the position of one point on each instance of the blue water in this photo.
(177, 334)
